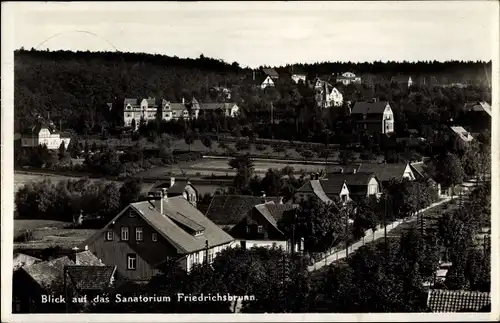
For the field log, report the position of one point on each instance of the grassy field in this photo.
(180, 144)
(48, 233)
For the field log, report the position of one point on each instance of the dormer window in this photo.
(198, 233)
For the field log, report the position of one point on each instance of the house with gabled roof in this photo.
(387, 172)
(298, 74)
(259, 227)
(177, 187)
(47, 277)
(228, 210)
(373, 116)
(360, 185)
(271, 72)
(347, 78)
(327, 95)
(328, 191)
(146, 234)
(44, 132)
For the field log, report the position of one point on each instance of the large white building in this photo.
(152, 109)
(45, 133)
(348, 78)
(327, 95)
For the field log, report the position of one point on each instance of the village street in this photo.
(379, 233)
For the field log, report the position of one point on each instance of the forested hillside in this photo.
(74, 87)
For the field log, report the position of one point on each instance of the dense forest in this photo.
(75, 87)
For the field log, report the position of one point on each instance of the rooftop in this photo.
(458, 301)
(230, 209)
(367, 107)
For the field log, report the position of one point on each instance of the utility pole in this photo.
(346, 232)
(206, 253)
(384, 220)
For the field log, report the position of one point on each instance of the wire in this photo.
(76, 31)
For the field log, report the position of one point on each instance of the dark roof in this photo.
(87, 258)
(21, 260)
(132, 102)
(230, 209)
(457, 301)
(384, 172)
(91, 277)
(369, 107)
(297, 71)
(332, 186)
(177, 106)
(175, 208)
(47, 272)
(314, 186)
(271, 72)
(277, 210)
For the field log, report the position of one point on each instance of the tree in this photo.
(278, 147)
(62, 151)
(271, 183)
(320, 224)
(133, 125)
(346, 157)
(130, 191)
(206, 141)
(189, 139)
(242, 145)
(364, 219)
(451, 170)
(245, 169)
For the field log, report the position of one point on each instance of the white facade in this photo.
(335, 98)
(45, 137)
(298, 77)
(388, 120)
(284, 245)
(344, 193)
(268, 81)
(410, 82)
(408, 174)
(199, 257)
(373, 187)
(348, 78)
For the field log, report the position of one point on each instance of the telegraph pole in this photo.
(206, 253)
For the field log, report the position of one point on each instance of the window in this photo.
(131, 261)
(197, 258)
(248, 229)
(260, 229)
(124, 234)
(131, 214)
(154, 237)
(344, 198)
(128, 115)
(109, 235)
(138, 234)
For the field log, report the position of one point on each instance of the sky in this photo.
(266, 33)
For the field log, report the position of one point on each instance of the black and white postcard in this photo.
(250, 161)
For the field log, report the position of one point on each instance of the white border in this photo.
(9, 11)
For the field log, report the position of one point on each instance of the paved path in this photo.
(380, 232)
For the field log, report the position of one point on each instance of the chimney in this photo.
(316, 176)
(72, 256)
(172, 181)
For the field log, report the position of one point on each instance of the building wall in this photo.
(115, 252)
(190, 195)
(267, 82)
(388, 120)
(296, 78)
(336, 98)
(44, 137)
(408, 173)
(373, 187)
(199, 257)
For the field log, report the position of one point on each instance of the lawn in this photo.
(48, 233)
